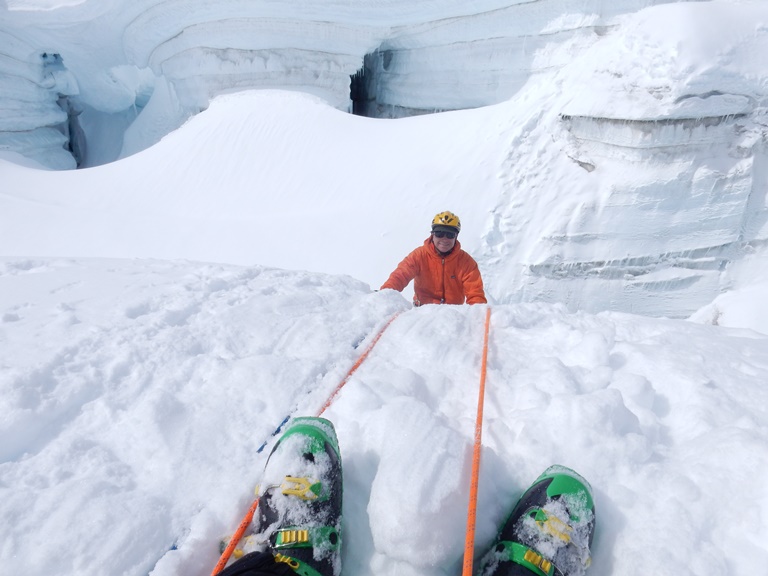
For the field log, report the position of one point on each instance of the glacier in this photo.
(624, 149)
(430, 57)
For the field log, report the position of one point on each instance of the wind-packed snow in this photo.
(160, 315)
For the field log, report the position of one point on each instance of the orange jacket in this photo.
(439, 279)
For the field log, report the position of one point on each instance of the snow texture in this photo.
(136, 393)
(162, 313)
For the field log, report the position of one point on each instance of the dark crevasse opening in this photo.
(362, 87)
(370, 82)
(53, 68)
(72, 130)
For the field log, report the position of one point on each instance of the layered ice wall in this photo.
(37, 118)
(472, 60)
(668, 168)
(143, 67)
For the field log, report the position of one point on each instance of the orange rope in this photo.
(248, 518)
(469, 543)
(356, 365)
(244, 523)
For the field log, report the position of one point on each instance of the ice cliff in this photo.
(136, 70)
(635, 186)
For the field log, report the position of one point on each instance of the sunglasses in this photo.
(442, 234)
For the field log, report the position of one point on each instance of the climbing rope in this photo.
(248, 518)
(469, 542)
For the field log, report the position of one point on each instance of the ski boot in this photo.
(299, 514)
(550, 529)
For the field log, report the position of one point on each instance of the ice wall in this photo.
(634, 188)
(35, 109)
(422, 57)
(477, 59)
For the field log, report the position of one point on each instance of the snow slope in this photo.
(267, 177)
(137, 392)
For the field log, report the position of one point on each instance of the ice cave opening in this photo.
(362, 87)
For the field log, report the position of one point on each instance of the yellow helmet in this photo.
(448, 219)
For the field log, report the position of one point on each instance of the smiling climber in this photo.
(442, 272)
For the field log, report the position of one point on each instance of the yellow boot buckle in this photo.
(304, 488)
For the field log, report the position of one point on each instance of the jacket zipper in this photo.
(442, 300)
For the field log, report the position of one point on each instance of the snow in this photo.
(136, 393)
(161, 314)
(623, 168)
(225, 209)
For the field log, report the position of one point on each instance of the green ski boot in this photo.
(550, 529)
(299, 513)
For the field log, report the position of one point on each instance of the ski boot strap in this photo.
(297, 566)
(305, 488)
(525, 556)
(320, 537)
(551, 524)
